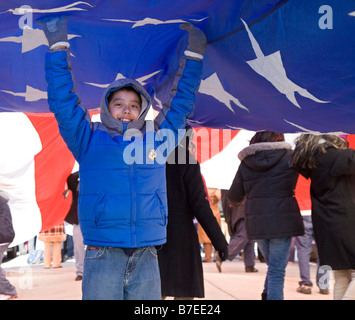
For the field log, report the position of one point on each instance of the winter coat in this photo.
(180, 259)
(333, 207)
(266, 180)
(7, 233)
(122, 194)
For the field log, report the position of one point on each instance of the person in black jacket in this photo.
(179, 259)
(7, 235)
(272, 215)
(72, 218)
(330, 164)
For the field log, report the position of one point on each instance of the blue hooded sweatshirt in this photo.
(122, 191)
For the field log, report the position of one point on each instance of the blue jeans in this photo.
(276, 253)
(110, 274)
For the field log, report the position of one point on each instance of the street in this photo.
(37, 283)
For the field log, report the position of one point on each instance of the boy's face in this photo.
(125, 106)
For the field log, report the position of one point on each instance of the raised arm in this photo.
(186, 83)
(74, 121)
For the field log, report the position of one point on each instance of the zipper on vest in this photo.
(133, 179)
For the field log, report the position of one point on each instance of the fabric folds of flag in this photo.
(285, 66)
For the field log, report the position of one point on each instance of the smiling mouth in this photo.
(125, 120)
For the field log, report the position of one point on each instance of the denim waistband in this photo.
(128, 251)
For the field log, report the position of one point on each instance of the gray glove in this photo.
(197, 41)
(55, 29)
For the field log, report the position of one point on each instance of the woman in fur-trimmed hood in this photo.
(268, 183)
(272, 214)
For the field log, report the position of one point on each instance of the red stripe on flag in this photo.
(209, 142)
(52, 167)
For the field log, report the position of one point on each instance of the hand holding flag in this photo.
(55, 29)
(197, 41)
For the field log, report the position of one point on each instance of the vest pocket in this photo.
(99, 207)
(103, 209)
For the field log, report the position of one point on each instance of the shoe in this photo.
(304, 289)
(324, 291)
(79, 278)
(35, 257)
(251, 269)
(66, 258)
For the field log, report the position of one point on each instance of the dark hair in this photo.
(267, 136)
(129, 89)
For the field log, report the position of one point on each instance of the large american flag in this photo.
(285, 66)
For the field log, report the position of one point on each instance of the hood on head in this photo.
(115, 124)
(264, 155)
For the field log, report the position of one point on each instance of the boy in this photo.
(122, 204)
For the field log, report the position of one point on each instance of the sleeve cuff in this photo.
(60, 43)
(193, 55)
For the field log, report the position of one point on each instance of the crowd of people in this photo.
(137, 220)
(260, 207)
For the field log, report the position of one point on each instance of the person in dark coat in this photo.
(330, 164)
(180, 259)
(272, 216)
(7, 235)
(73, 219)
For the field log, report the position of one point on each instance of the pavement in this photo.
(233, 283)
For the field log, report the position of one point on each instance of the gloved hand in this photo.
(55, 29)
(197, 41)
(223, 253)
